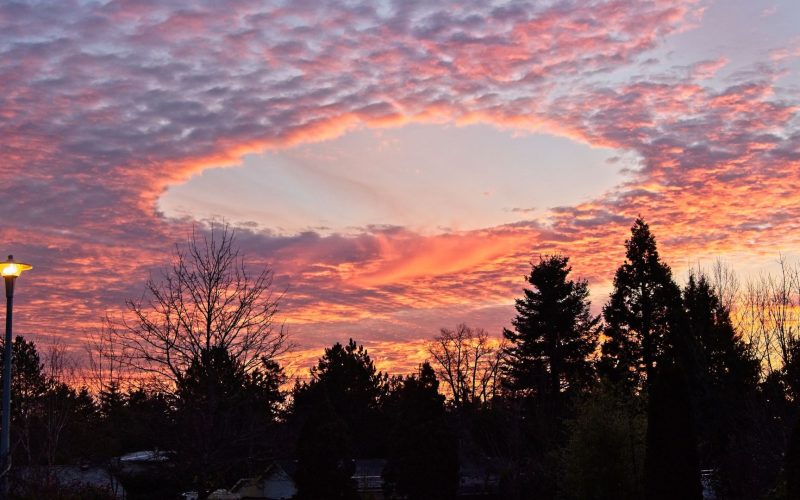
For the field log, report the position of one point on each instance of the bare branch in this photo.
(467, 363)
(206, 299)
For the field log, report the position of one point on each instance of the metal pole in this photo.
(5, 436)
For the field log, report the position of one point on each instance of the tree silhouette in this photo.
(725, 375)
(644, 308)
(324, 456)
(49, 417)
(28, 386)
(603, 457)
(554, 333)
(725, 358)
(207, 300)
(347, 385)
(468, 363)
(423, 455)
(222, 414)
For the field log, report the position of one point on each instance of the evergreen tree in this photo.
(423, 455)
(548, 362)
(346, 378)
(28, 386)
(791, 370)
(222, 414)
(79, 438)
(111, 406)
(47, 414)
(725, 378)
(554, 333)
(338, 416)
(148, 423)
(724, 357)
(644, 308)
(324, 456)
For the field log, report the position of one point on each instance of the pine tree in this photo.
(346, 377)
(28, 385)
(644, 308)
(725, 375)
(724, 357)
(554, 333)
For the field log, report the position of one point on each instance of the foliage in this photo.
(726, 359)
(769, 311)
(46, 412)
(642, 311)
(683, 384)
(345, 378)
(338, 417)
(324, 456)
(723, 386)
(603, 457)
(222, 414)
(554, 334)
(423, 456)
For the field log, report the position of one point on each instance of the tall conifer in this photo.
(644, 308)
(554, 333)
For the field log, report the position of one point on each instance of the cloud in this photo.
(104, 106)
(519, 210)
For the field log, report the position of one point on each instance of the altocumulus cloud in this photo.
(104, 105)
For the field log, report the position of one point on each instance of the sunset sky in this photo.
(398, 163)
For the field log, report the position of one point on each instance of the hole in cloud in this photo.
(430, 178)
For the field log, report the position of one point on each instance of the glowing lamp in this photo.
(10, 271)
(13, 269)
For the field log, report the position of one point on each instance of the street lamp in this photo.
(10, 271)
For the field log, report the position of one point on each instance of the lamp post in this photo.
(10, 271)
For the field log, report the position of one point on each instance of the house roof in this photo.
(146, 456)
(277, 467)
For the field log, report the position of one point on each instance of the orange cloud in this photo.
(113, 104)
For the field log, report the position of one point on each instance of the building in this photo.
(275, 483)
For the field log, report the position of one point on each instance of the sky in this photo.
(399, 164)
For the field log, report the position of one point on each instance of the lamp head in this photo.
(11, 269)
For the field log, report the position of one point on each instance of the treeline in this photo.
(631, 404)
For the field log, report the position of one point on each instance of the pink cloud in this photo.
(104, 107)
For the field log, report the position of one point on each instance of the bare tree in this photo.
(769, 315)
(45, 401)
(106, 359)
(467, 362)
(726, 284)
(57, 405)
(206, 299)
